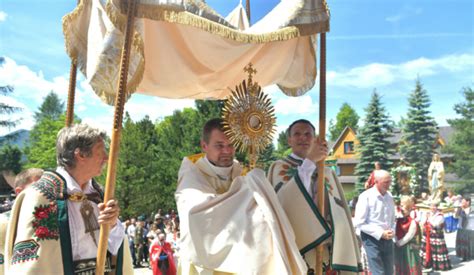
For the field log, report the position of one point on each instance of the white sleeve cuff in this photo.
(116, 236)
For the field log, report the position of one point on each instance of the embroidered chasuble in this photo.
(38, 236)
(233, 225)
(341, 246)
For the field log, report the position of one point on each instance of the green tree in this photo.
(138, 185)
(41, 152)
(6, 109)
(282, 145)
(209, 108)
(346, 116)
(10, 159)
(374, 145)
(51, 108)
(462, 142)
(418, 135)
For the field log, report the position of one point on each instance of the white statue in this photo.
(436, 178)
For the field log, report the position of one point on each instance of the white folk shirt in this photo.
(83, 246)
(375, 213)
(305, 171)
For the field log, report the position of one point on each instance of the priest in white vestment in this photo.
(231, 223)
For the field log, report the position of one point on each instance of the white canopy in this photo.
(184, 49)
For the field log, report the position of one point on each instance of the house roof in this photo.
(336, 142)
(446, 133)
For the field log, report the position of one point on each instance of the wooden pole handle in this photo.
(322, 134)
(116, 133)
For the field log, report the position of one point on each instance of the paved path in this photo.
(459, 268)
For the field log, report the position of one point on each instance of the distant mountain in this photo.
(19, 138)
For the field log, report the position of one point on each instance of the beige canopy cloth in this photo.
(184, 49)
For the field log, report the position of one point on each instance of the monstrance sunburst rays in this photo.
(249, 118)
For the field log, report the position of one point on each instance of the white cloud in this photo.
(28, 84)
(295, 105)
(3, 16)
(379, 75)
(140, 105)
(101, 122)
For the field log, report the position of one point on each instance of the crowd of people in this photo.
(404, 239)
(267, 218)
(154, 242)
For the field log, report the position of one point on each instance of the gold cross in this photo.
(250, 70)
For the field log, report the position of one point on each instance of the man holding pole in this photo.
(294, 179)
(54, 227)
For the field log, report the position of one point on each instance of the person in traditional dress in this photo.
(407, 232)
(436, 178)
(450, 218)
(231, 223)
(22, 181)
(161, 256)
(375, 218)
(434, 253)
(465, 233)
(371, 180)
(54, 227)
(295, 179)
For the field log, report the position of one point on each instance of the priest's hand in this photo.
(108, 213)
(318, 150)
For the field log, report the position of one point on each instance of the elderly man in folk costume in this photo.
(231, 223)
(294, 179)
(54, 227)
(22, 181)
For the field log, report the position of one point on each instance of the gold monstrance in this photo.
(249, 118)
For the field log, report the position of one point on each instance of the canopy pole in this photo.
(116, 133)
(71, 93)
(322, 134)
(247, 9)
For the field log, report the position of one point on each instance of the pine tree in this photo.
(373, 137)
(346, 116)
(41, 152)
(52, 107)
(10, 159)
(418, 135)
(462, 142)
(6, 109)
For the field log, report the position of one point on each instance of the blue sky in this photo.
(373, 44)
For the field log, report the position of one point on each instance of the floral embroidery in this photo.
(45, 222)
(25, 251)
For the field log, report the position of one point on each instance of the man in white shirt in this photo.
(55, 223)
(375, 218)
(295, 179)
